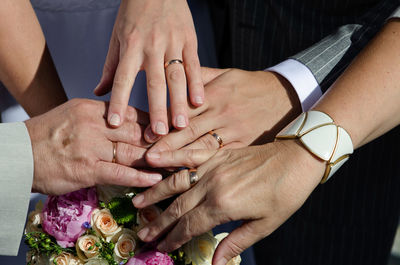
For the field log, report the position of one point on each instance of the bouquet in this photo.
(99, 226)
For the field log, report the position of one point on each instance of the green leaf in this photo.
(122, 210)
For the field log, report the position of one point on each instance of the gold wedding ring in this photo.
(193, 177)
(218, 138)
(114, 159)
(173, 61)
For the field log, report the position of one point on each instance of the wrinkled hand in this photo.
(146, 35)
(242, 107)
(262, 185)
(73, 148)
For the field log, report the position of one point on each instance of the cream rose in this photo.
(236, 260)
(35, 219)
(96, 262)
(104, 224)
(65, 259)
(147, 214)
(200, 250)
(126, 243)
(87, 247)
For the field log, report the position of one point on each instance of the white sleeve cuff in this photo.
(302, 80)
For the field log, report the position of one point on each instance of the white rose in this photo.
(126, 243)
(147, 214)
(104, 224)
(34, 220)
(87, 247)
(200, 250)
(236, 260)
(65, 259)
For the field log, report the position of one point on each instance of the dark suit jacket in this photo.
(352, 218)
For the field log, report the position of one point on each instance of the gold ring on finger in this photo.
(173, 61)
(114, 159)
(218, 138)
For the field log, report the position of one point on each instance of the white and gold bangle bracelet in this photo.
(322, 137)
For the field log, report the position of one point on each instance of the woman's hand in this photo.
(242, 107)
(262, 185)
(146, 35)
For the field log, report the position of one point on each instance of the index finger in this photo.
(124, 78)
(180, 158)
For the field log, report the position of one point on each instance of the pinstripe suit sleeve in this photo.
(16, 173)
(323, 58)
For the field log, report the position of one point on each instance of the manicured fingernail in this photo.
(180, 121)
(198, 100)
(138, 199)
(155, 178)
(153, 155)
(143, 233)
(222, 261)
(161, 129)
(150, 135)
(115, 120)
(162, 246)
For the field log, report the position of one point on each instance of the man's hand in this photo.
(73, 148)
(262, 185)
(242, 107)
(146, 35)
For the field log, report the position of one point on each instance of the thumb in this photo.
(236, 242)
(209, 74)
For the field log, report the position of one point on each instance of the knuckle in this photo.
(193, 130)
(131, 38)
(121, 80)
(192, 65)
(175, 210)
(176, 74)
(209, 142)
(155, 83)
(234, 248)
(186, 228)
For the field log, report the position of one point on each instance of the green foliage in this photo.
(178, 256)
(123, 210)
(41, 243)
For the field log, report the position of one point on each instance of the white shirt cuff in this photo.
(302, 80)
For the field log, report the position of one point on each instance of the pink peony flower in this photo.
(64, 216)
(152, 257)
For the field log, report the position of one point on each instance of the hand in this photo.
(262, 185)
(73, 148)
(242, 107)
(146, 35)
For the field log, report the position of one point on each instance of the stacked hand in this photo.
(262, 185)
(146, 35)
(73, 148)
(241, 107)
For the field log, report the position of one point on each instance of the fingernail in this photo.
(180, 121)
(115, 120)
(155, 178)
(162, 246)
(97, 87)
(150, 135)
(138, 199)
(222, 261)
(143, 233)
(161, 129)
(198, 100)
(153, 155)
